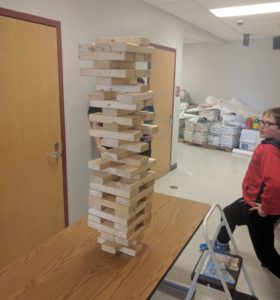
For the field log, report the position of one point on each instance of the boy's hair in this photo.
(274, 112)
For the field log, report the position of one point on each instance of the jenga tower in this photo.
(122, 184)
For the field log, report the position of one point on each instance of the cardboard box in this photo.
(200, 137)
(247, 146)
(190, 126)
(229, 141)
(214, 140)
(217, 128)
(188, 136)
(232, 130)
(249, 135)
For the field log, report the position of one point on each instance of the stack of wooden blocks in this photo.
(122, 183)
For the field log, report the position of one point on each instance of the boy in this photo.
(259, 208)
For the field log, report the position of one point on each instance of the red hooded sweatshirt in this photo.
(262, 179)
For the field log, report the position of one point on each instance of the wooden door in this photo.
(32, 186)
(162, 82)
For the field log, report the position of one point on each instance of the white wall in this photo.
(250, 74)
(83, 22)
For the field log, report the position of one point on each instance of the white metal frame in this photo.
(211, 252)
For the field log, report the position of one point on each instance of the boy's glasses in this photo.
(266, 123)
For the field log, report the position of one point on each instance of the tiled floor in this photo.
(214, 176)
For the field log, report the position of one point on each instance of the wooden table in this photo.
(70, 265)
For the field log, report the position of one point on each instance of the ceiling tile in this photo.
(179, 6)
(156, 2)
(197, 16)
(196, 12)
(210, 4)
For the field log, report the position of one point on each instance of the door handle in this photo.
(56, 154)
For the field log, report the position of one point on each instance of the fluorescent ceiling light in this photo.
(255, 9)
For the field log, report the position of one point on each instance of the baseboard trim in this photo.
(173, 167)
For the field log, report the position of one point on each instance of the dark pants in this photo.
(148, 152)
(261, 230)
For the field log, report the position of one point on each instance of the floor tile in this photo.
(213, 176)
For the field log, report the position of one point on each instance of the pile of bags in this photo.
(216, 122)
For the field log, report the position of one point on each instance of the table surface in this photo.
(70, 265)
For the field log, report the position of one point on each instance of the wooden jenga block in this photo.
(131, 184)
(139, 206)
(135, 160)
(126, 135)
(133, 97)
(124, 39)
(102, 177)
(98, 194)
(148, 102)
(140, 175)
(127, 241)
(100, 164)
(106, 201)
(87, 52)
(121, 211)
(107, 214)
(129, 212)
(102, 47)
(117, 105)
(128, 120)
(147, 128)
(113, 248)
(116, 127)
(113, 189)
(127, 47)
(118, 73)
(133, 250)
(136, 88)
(127, 231)
(142, 57)
(94, 219)
(111, 112)
(102, 95)
(113, 64)
(146, 115)
(110, 247)
(115, 73)
(107, 236)
(115, 81)
(86, 48)
(137, 147)
(116, 154)
(145, 191)
(124, 188)
(105, 226)
(127, 171)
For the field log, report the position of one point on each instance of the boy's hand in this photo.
(98, 145)
(100, 148)
(258, 207)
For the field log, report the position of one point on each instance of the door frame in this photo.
(174, 77)
(57, 25)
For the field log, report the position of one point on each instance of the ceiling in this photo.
(202, 26)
